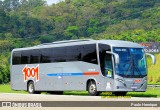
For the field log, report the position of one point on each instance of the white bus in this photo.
(80, 65)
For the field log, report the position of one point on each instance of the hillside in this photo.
(30, 22)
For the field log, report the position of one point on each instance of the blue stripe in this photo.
(65, 74)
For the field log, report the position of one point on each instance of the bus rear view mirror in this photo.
(116, 56)
(153, 58)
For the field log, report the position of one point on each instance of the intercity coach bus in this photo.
(81, 65)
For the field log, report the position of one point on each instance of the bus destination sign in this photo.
(151, 47)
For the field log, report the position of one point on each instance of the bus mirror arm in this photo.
(116, 56)
(153, 58)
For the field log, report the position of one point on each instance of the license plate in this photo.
(133, 87)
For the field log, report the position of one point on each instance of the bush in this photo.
(158, 79)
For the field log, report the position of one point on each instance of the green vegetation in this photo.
(135, 20)
(7, 89)
(154, 71)
(151, 92)
(26, 23)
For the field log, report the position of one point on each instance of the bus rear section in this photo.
(55, 68)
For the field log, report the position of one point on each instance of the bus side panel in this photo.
(17, 78)
(79, 82)
(47, 80)
(66, 76)
(58, 76)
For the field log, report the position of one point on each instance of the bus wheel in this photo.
(92, 89)
(31, 89)
(120, 93)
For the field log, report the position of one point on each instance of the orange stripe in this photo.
(91, 73)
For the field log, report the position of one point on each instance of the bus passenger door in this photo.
(108, 72)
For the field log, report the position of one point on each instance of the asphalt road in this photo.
(44, 97)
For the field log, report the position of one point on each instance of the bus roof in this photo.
(120, 43)
(112, 43)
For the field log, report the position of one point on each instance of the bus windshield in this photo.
(132, 62)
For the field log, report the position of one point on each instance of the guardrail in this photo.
(153, 85)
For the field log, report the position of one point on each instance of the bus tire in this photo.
(30, 88)
(120, 93)
(92, 89)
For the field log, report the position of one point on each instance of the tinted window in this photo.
(86, 53)
(46, 56)
(25, 56)
(73, 53)
(59, 54)
(89, 53)
(35, 56)
(16, 58)
(105, 60)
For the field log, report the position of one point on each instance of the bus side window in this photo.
(25, 56)
(73, 53)
(16, 58)
(35, 56)
(89, 53)
(59, 54)
(46, 56)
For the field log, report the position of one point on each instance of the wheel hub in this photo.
(92, 88)
(31, 88)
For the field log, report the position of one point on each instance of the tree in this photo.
(23, 4)
(3, 20)
(72, 31)
(1, 3)
(7, 5)
(4, 70)
(36, 3)
(15, 4)
(11, 5)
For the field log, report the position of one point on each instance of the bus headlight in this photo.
(121, 80)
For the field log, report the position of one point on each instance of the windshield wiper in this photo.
(129, 68)
(133, 67)
(136, 68)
